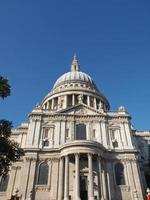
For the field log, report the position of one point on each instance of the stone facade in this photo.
(76, 148)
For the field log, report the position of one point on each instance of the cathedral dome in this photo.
(75, 75)
(72, 88)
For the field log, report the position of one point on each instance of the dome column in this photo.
(73, 99)
(52, 106)
(95, 104)
(65, 101)
(48, 105)
(88, 100)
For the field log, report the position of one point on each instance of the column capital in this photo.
(99, 156)
(66, 156)
(76, 154)
(61, 158)
(90, 154)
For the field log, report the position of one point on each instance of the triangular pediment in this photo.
(80, 109)
(48, 124)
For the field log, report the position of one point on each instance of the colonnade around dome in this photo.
(68, 100)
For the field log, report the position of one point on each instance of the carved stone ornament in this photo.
(16, 167)
(42, 188)
(33, 159)
(124, 188)
(81, 112)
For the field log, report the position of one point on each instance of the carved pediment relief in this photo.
(48, 124)
(114, 125)
(80, 110)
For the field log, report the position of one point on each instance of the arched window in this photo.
(119, 174)
(43, 174)
(4, 183)
(80, 132)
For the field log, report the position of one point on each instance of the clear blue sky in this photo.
(111, 38)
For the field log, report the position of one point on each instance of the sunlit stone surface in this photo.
(76, 148)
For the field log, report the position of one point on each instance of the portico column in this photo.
(66, 193)
(77, 177)
(91, 188)
(104, 184)
(100, 178)
(60, 187)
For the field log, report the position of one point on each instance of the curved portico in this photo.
(79, 153)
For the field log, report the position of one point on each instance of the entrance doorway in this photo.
(83, 188)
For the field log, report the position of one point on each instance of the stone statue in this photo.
(100, 105)
(38, 106)
(80, 99)
(121, 109)
(61, 103)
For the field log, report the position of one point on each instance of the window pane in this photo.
(67, 132)
(45, 143)
(4, 183)
(46, 130)
(43, 174)
(112, 134)
(119, 174)
(93, 134)
(80, 132)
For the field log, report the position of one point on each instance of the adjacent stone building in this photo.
(76, 148)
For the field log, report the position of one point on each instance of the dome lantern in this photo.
(75, 65)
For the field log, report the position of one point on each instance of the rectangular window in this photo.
(69, 100)
(91, 101)
(93, 133)
(84, 99)
(80, 132)
(67, 132)
(51, 133)
(45, 134)
(112, 134)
